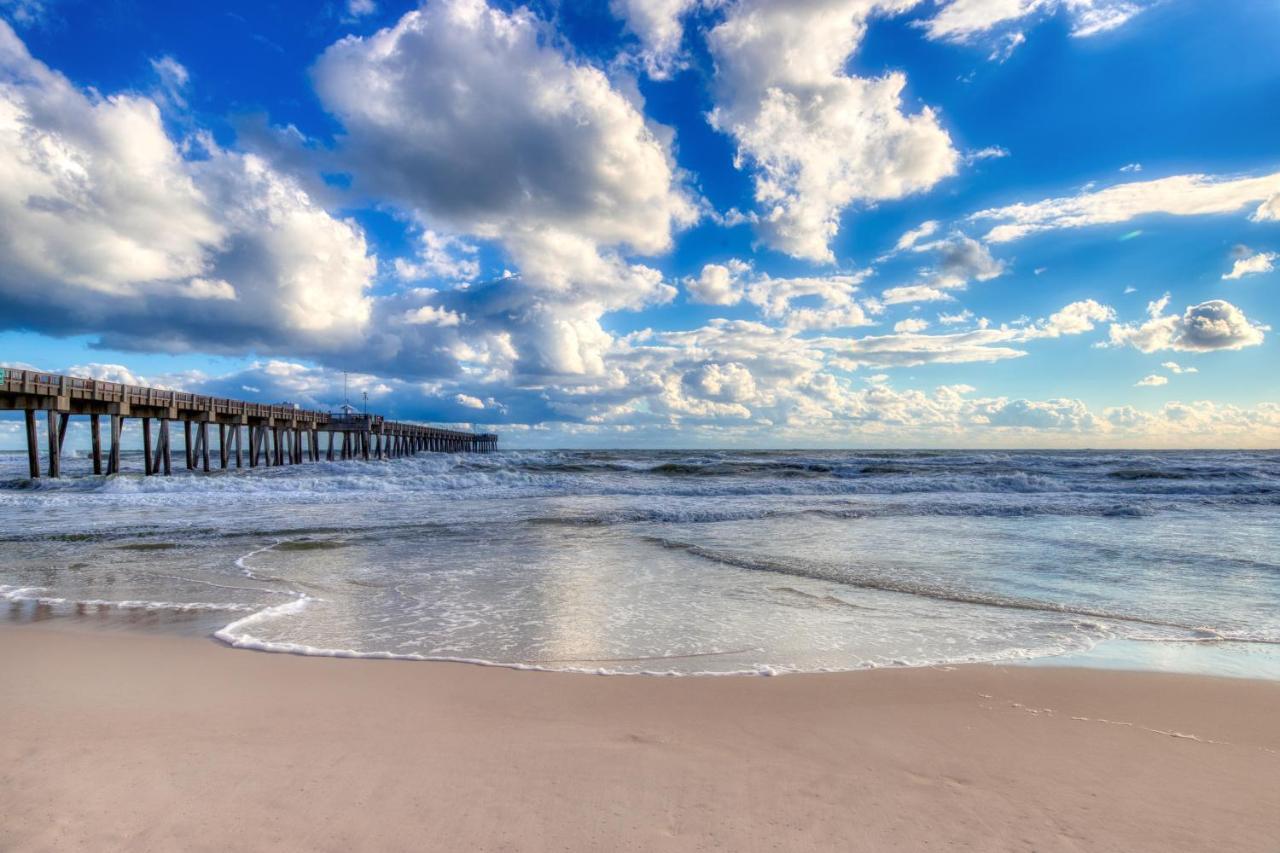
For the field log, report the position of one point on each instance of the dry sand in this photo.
(115, 741)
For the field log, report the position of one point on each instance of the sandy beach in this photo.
(118, 740)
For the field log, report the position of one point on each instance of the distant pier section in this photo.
(276, 434)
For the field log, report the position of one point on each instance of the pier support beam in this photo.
(204, 444)
(239, 458)
(33, 450)
(113, 454)
(96, 438)
(186, 431)
(63, 419)
(156, 453)
(147, 467)
(55, 469)
(167, 457)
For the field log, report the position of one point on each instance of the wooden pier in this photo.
(277, 434)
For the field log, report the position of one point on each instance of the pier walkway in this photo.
(278, 434)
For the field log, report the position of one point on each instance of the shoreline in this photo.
(157, 741)
(1228, 658)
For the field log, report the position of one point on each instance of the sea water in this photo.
(680, 562)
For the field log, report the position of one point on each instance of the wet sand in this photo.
(116, 740)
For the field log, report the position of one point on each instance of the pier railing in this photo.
(278, 434)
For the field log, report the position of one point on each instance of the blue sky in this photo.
(660, 222)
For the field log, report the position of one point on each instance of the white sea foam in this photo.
(31, 595)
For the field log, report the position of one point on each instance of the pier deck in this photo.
(278, 434)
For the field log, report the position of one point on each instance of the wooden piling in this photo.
(113, 454)
(147, 467)
(204, 444)
(33, 451)
(55, 469)
(223, 450)
(239, 461)
(158, 450)
(186, 431)
(94, 429)
(168, 449)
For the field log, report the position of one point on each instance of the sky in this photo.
(659, 223)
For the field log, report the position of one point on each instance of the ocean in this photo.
(676, 562)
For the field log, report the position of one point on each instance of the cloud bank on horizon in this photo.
(658, 222)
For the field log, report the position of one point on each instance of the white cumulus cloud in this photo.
(659, 26)
(1251, 264)
(960, 259)
(776, 298)
(441, 112)
(105, 225)
(1212, 325)
(816, 139)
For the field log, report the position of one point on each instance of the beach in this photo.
(129, 740)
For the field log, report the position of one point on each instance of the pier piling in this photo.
(54, 468)
(95, 428)
(113, 454)
(147, 467)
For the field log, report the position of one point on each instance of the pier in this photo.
(277, 434)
